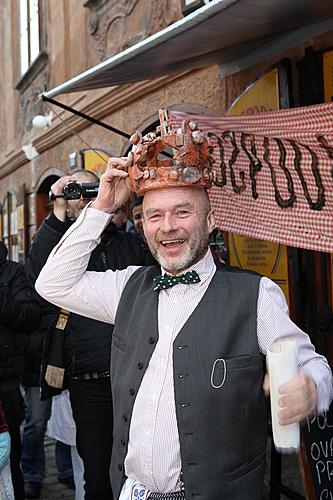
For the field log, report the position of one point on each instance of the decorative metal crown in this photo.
(170, 159)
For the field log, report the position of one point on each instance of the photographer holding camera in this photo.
(87, 342)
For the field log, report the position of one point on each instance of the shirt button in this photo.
(140, 365)
(125, 418)
(151, 340)
(132, 392)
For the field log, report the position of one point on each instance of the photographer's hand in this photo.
(60, 204)
(114, 187)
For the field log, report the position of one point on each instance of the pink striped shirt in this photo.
(153, 456)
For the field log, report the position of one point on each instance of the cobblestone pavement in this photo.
(52, 489)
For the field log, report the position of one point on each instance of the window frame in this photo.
(26, 65)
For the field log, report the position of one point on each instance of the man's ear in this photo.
(211, 221)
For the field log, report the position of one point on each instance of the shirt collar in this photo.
(205, 267)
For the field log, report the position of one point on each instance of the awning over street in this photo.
(233, 33)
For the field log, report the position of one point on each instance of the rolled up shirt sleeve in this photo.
(64, 281)
(274, 324)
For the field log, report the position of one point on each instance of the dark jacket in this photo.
(218, 374)
(19, 314)
(34, 345)
(3, 422)
(87, 341)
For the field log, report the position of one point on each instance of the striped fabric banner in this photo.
(274, 174)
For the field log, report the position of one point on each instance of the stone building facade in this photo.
(75, 35)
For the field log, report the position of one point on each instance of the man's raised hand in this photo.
(114, 187)
(60, 204)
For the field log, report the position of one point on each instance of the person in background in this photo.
(37, 414)
(19, 314)
(6, 486)
(122, 222)
(61, 427)
(88, 342)
(190, 416)
(136, 209)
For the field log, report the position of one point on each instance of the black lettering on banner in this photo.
(234, 155)
(329, 149)
(282, 162)
(223, 167)
(255, 163)
(320, 203)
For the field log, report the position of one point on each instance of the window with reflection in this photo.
(10, 226)
(30, 32)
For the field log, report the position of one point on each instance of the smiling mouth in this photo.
(171, 243)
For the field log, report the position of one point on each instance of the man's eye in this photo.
(182, 213)
(153, 218)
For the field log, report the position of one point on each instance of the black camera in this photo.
(74, 190)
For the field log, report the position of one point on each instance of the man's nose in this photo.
(168, 223)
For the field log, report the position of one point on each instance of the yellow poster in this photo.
(265, 257)
(328, 75)
(260, 97)
(95, 160)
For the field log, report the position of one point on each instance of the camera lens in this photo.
(72, 191)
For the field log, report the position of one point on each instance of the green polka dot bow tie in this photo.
(167, 281)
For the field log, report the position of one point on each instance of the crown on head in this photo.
(170, 159)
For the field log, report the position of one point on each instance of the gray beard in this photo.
(193, 255)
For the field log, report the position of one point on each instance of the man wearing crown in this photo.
(187, 373)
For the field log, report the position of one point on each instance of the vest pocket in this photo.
(237, 362)
(221, 366)
(247, 467)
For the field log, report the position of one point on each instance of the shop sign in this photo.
(95, 160)
(265, 257)
(260, 97)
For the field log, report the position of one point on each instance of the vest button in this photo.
(151, 340)
(120, 467)
(125, 418)
(180, 347)
(123, 442)
(132, 392)
(140, 365)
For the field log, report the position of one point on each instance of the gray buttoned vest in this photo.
(218, 375)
